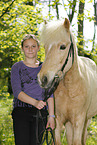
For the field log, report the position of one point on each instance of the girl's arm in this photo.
(51, 120)
(17, 91)
(27, 99)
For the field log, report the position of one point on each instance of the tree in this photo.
(54, 5)
(72, 9)
(80, 27)
(95, 23)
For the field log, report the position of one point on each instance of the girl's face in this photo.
(30, 48)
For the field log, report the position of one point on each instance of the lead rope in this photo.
(49, 129)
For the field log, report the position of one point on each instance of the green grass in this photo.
(6, 127)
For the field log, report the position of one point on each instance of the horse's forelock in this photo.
(52, 32)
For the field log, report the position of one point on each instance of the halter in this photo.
(71, 50)
(60, 74)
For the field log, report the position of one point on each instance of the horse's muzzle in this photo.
(43, 81)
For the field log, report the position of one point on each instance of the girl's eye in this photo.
(34, 46)
(62, 47)
(26, 46)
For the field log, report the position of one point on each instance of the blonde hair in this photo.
(28, 36)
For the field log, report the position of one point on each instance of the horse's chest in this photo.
(69, 102)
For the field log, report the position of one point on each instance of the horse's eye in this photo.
(62, 47)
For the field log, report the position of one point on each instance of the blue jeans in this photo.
(28, 130)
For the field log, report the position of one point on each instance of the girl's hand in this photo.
(51, 122)
(40, 104)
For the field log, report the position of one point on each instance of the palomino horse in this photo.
(76, 94)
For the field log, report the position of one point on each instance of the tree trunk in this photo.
(80, 28)
(57, 10)
(72, 10)
(95, 23)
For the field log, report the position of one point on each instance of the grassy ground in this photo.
(6, 130)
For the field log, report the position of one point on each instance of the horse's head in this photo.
(57, 42)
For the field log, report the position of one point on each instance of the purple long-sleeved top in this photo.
(24, 78)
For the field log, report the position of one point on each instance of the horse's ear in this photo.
(67, 23)
(45, 22)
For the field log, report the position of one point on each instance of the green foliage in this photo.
(41, 54)
(95, 54)
(6, 128)
(92, 129)
(21, 19)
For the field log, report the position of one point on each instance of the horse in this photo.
(76, 93)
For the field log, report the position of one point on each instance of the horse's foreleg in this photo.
(78, 127)
(84, 137)
(58, 132)
(69, 133)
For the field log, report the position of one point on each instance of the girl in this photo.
(29, 96)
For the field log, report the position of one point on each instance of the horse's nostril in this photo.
(44, 81)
